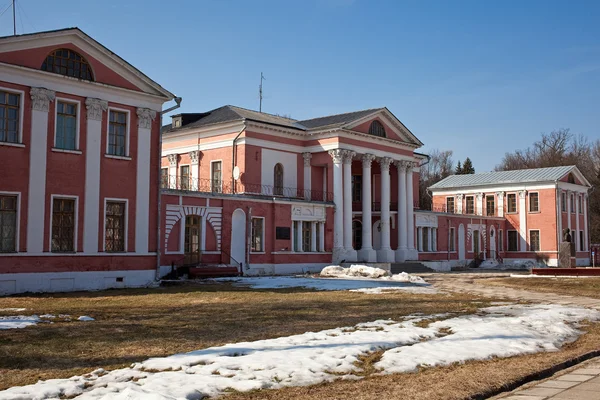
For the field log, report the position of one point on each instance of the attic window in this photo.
(377, 129)
(176, 122)
(571, 178)
(68, 62)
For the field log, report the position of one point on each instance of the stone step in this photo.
(410, 268)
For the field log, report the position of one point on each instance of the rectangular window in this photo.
(9, 116)
(572, 203)
(318, 238)
(534, 240)
(63, 225)
(114, 228)
(357, 188)
(470, 205)
(164, 178)
(215, 173)
(184, 176)
(563, 202)
(581, 241)
(66, 126)
(534, 202)
(451, 239)
(117, 133)
(424, 239)
(580, 204)
(513, 241)
(8, 223)
(511, 200)
(490, 206)
(306, 236)
(500, 240)
(450, 204)
(257, 244)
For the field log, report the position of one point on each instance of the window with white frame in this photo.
(10, 104)
(114, 226)
(534, 202)
(470, 202)
(65, 137)
(215, 176)
(534, 240)
(490, 206)
(184, 176)
(306, 236)
(513, 241)
(258, 238)
(572, 203)
(164, 178)
(450, 204)
(117, 133)
(580, 204)
(511, 203)
(451, 240)
(8, 223)
(63, 225)
(563, 201)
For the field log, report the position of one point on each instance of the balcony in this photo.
(218, 187)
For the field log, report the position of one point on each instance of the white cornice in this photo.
(203, 132)
(493, 188)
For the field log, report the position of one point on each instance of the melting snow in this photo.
(85, 318)
(18, 321)
(315, 357)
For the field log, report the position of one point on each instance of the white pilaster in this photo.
(500, 202)
(36, 205)
(366, 253)
(459, 203)
(569, 205)
(307, 176)
(350, 253)
(479, 210)
(142, 192)
(411, 253)
(586, 246)
(173, 170)
(576, 236)
(385, 253)
(419, 239)
(298, 236)
(403, 232)
(195, 157)
(338, 217)
(313, 236)
(93, 154)
(523, 220)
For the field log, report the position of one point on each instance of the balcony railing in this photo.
(218, 186)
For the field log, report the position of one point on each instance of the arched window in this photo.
(571, 178)
(278, 180)
(377, 129)
(68, 62)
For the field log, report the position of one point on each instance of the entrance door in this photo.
(238, 237)
(476, 250)
(493, 244)
(191, 247)
(461, 242)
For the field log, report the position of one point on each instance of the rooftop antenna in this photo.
(260, 96)
(14, 18)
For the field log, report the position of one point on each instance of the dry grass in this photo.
(589, 287)
(133, 325)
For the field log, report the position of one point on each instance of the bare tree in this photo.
(440, 165)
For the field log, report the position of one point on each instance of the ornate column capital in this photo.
(367, 159)
(500, 194)
(460, 196)
(95, 107)
(172, 159)
(348, 156)
(41, 98)
(307, 156)
(522, 194)
(145, 117)
(337, 155)
(195, 156)
(384, 162)
(479, 196)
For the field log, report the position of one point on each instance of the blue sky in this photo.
(478, 77)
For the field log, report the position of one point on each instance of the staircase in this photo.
(414, 267)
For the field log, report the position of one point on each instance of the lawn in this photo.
(588, 287)
(134, 325)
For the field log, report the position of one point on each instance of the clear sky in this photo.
(477, 77)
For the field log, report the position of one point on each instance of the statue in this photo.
(567, 235)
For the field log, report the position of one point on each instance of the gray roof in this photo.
(504, 177)
(338, 119)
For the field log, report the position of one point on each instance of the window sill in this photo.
(11, 144)
(57, 150)
(125, 158)
(257, 252)
(535, 212)
(512, 213)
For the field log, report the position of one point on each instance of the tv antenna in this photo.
(14, 17)
(260, 93)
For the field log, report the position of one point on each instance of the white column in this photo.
(411, 252)
(585, 222)
(348, 249)
(385, 253)
(576, 237)
(313, 236)
(322, 236)
(195, 157)
(173, 170)
(523, 220)
(479, 210)
(500, 206)
(298, 234)
(402, 211)
(419, 239)
(307, 176)
(338, 217)
(36, 205)
(459, 203)
(366, 253)
(93, 154)
(569, 205)
(429, 243)
(142, 192)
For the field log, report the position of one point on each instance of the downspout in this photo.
(159, 214)
(558, 226)
(234, 158)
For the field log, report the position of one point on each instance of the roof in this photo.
(337, 119)
(550, 174)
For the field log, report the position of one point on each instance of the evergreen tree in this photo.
(468, 167)
(459, 169)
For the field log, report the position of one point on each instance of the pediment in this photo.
(394, 128)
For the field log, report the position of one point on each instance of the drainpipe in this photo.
(234, 158)
(159, 214)
(558, 218)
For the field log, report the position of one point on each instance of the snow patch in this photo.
(316, 357)
(85, 318)
(354, 270)
(12, 309)
(18, 321)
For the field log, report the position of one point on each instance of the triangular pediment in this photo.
(394, 128)
(30, 51)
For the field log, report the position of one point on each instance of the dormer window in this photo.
(68, 62)
(377, 129)
(176, 122)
